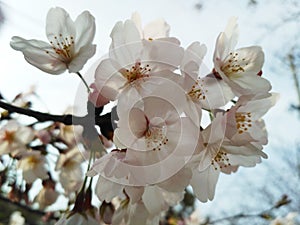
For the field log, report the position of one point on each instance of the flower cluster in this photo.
(162, 142)
(175, 126)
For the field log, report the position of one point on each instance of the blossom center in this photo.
(63, 47)
(233, 64)
(198, 91)
(243, 121)
(32, 161)
(136, 72)
(9, 136)
(220, 158)
(155, 137)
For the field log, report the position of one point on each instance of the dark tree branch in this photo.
(67, 119)
(33, 216)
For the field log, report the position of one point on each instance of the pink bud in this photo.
(96, 98)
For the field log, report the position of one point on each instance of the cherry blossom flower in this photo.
(142, 204)
(70, 43)
(47, 195)
(157, 139)
(233, 139)
(70, 134)
(244, 119)
(153, 30)
(220, 155)
(32, 165)
(44, 136)
(239, 68)
(14, 137)
(207, 92)
(133, 63)
(16, 218)
(71, 174)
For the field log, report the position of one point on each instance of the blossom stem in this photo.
(83, 80)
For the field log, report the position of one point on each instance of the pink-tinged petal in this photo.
(217, 93)
(188, 138)
(173, 198)
(106, 190)
(124, 33)
(108, 80)
(119, 215)
(137, 122)
(59, 24)
(204, 183)
(84, 54)
(156, 107)
(178, 182)
(136, 18)
(241, 139)
(25, 135)
(139, 215)
(85, 30)
(221, 49)
(164, 100)
(4, 147)
(263, 139)
(97, 98)
(226, 41)
(124, 138)
(246, 150)
(250, 59)
(232, 32)
(126, 43)
(229, 169)
(156, 29)
(130, 98)
(134, 193)
(192, 59)
(153, 200)
(215, 132)
(39, 54)
(193, 110)
(246, 161)
(259, 105)
(256, 133)
(165, 52)
(248, 84)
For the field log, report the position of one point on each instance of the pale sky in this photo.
(257, 26)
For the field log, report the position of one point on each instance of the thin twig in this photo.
(265, 214)
(293, 67)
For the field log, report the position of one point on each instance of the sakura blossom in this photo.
(47, 195)
(240, 68)
(71, 173)
(14, 138)
(70, 43)
(134, 66)
(32, 165)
